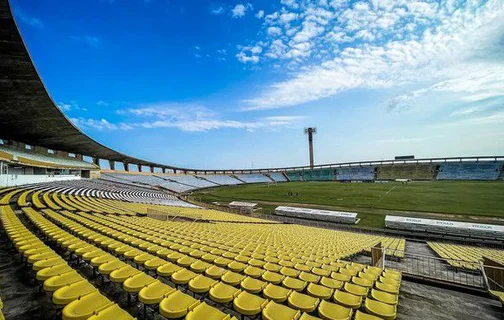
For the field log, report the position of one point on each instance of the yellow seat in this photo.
(204, 311)
(392, 282)
(347, 299)
(384, 297)
(386, 287)
(201, 284)
(112, 312)
(355, 289)
(215, 272)
(88, 256)
(199, 266)
(306, 316)
(56, 282)
(331, 283)
(183, 276)
(252, 285)
(275, 311)
(166, 270)
(154, 292)
(333, 311)
(302, 301)
(71, 292)
(48, 272)
(321, 272)
(340, 277)
(109, 267)
(120, 275)
(380, 309)
(318, 291)
(232, 278)
(137, 282)
(272, 267)
(289, 272)
(348, 272)
(308, 277)
(276, 293)
(186, 261)
(85, 307)
(42, 256)
(98, 261)
(42, 264)
(236, 266)
(223, 293)
(253, 272)
(154, 263)
(272, 277)
(362, 282)
(294, 284)
(359, 315)
(249, 304)
(177, 305)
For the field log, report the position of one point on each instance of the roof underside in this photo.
(27, 112)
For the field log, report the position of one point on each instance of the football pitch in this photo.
(467, 201)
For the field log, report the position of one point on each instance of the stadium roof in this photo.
(27, 112)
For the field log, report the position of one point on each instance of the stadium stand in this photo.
(294, 175)
(253, 178)
(39, 160)
(278, 177)
(222, 179)
(406, 171)
(466, 229)
(190, 180)
(469, 171)
(240, 263)
(355, 174)
(326, 174)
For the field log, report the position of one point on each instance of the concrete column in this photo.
(152, 169)
(164, 170)
(112, 164)
(79, 156)
(96, 161)
(139, 166)
(126, 166)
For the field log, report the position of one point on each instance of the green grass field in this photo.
(482, 201)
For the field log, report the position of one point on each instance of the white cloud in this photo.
(28, 19)
(290, 3)
(186, 117)
(240, 10)
(448, 48)
(274, 31)
(217, 11)
(259, 14)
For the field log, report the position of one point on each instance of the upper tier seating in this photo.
(407, 171)
(222, 179)
(253, 178)
(326, 174)
(355, 174)
(189, 180)
(294, 175)
(469, 171)
(278, 177)
(36, 159)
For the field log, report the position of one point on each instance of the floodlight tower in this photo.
(310, 132)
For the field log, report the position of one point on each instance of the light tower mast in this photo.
(310, 132)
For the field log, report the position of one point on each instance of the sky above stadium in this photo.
(220, 84)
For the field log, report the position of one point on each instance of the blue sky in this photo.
(232, 84)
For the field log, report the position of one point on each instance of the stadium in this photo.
(88, 232)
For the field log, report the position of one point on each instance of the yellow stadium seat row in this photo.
(226, 293)
(173, 303)
(79, 298)
(465, 257)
